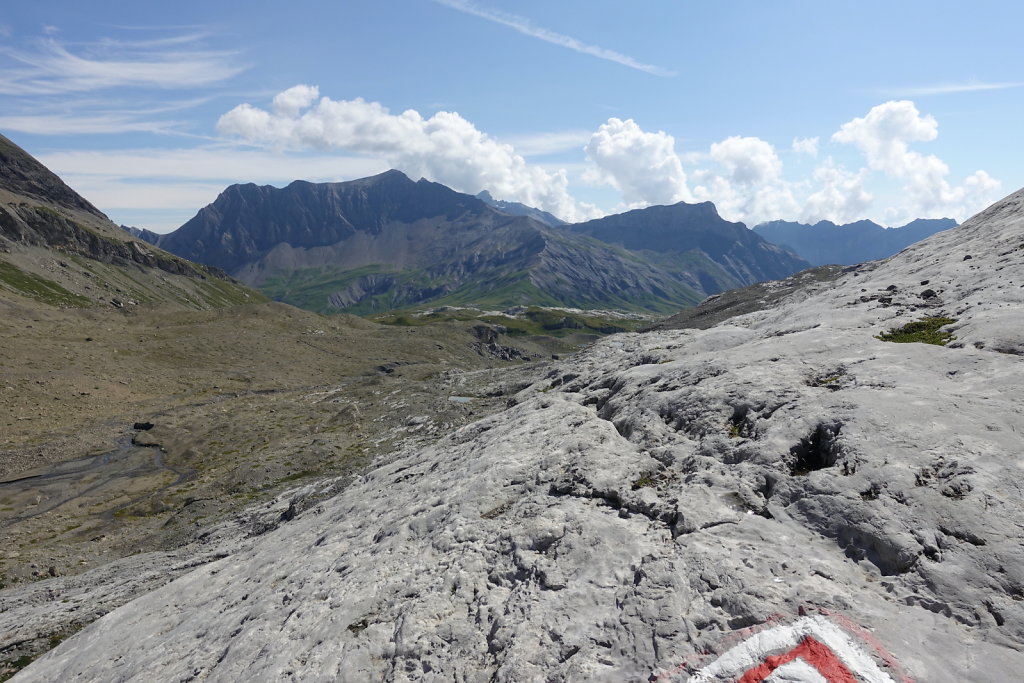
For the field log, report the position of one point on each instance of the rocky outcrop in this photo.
(827, 243)
(667, 506)
(43, 226)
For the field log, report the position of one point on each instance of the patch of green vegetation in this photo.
(16, 666)
(311, 288)
(46, 211)
(39, 288)
(644, 482)
(924, 331)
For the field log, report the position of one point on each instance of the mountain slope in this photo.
(388, 242)
(57, 248)
(676, 505)
(697, 228)
(827, 243)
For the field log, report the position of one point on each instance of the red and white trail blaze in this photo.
(809, 650)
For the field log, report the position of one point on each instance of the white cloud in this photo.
(884, 136)
(526, 27)
(643, 166)
(750, 161)
(51, 68)
(293, 100)
(747, 203)
(808, 146)
(840, 198)
(948, 88)
(445, 147)
(73, 124)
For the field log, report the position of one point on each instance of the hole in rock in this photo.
(816, 451)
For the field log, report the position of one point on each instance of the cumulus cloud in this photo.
(643, 166)
(884, 136)
(750, 161)
(646, 169)
(748, 203)
(840, 198)
(444, 147)
(808, 146)
(293, 100)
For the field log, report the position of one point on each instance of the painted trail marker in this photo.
(808, 650)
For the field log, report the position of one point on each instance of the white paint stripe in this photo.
(797, 671)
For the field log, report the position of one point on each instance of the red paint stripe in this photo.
(818, 655)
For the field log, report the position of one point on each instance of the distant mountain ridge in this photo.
(518, 209)
(388, 242)
(143, 234)
(826, 243)
(688, 228)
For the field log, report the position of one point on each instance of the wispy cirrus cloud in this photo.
(527, 27)
(948, 88)
(77, 124)
(50, 67)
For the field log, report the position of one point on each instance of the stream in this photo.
(129, 470)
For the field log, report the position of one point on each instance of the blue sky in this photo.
(783, 109)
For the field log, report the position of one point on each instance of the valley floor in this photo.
(131, 440)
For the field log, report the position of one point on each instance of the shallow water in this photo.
(118, 478)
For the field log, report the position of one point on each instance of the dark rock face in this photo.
(827, 243)
(697, 228)
(247, 221)
(21, 174)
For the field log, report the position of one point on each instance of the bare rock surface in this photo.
(653, 498)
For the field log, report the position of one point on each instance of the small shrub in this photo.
(925, 331)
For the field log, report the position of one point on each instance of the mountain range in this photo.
(826, 243)
(388, 242)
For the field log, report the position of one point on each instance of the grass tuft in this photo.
(924, 331)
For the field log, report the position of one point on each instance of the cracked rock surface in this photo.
(651, 497)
